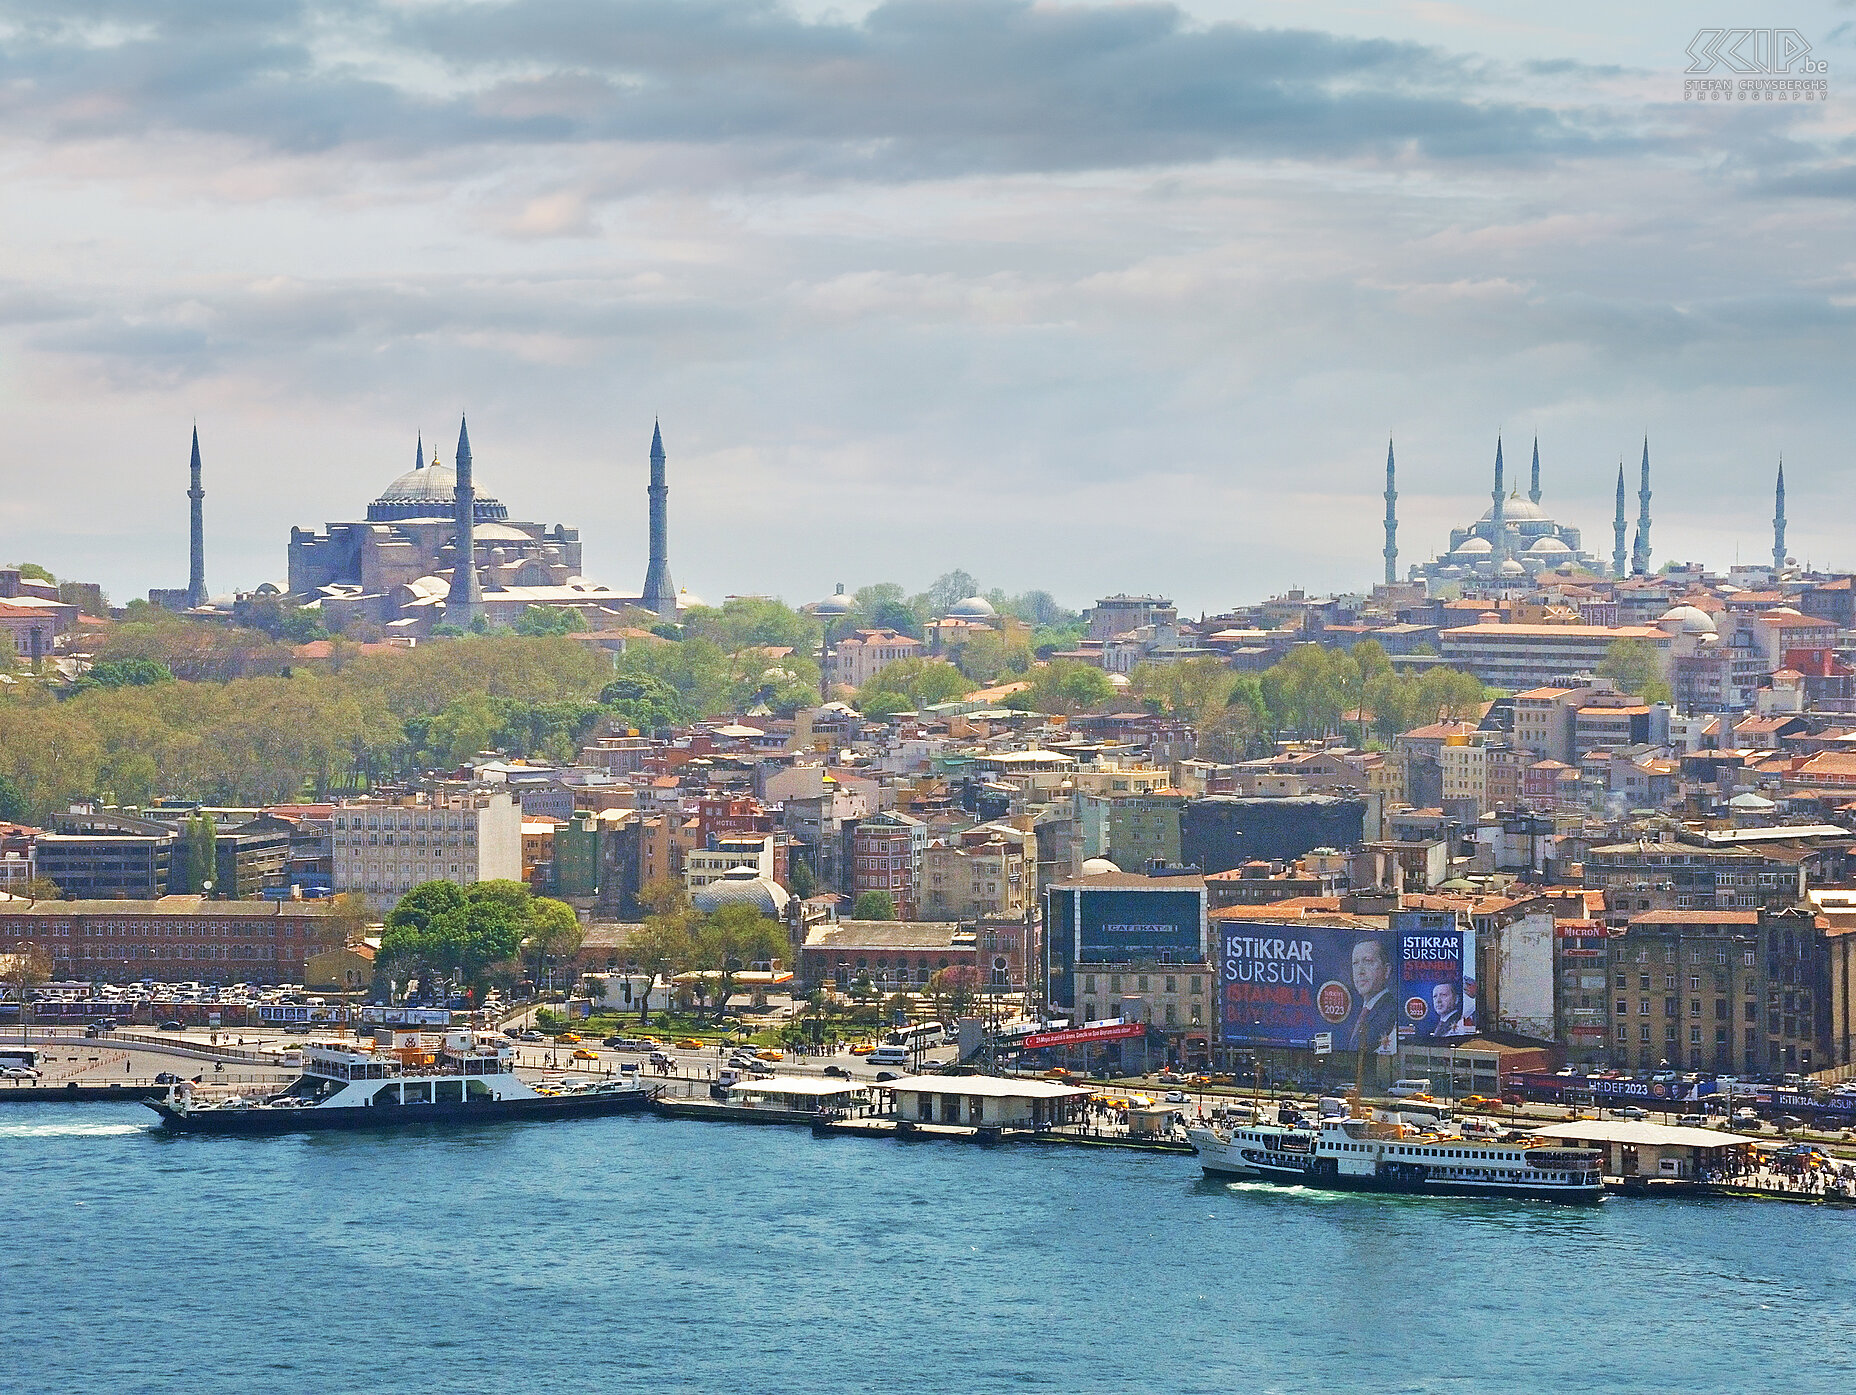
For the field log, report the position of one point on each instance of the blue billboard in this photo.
(1284, 984)
(1125, 926)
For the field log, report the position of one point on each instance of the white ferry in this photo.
(1364, 1155)
(449, 1078)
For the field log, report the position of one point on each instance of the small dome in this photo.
(837, 603)
(972, 608)
(742, 886)
(1098, 867)
(1511, 568)
(1686, 620)
(1549, 544)
(1478, 547)
(1784, 610)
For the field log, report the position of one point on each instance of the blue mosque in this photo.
(1514, 541)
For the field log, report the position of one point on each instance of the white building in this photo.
(383, 848)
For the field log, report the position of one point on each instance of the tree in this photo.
(23, 970)
(554, 935)
(644, 703)
(802, 881)
(125, 673)
(954, 987)
(729, 939)
(1064, 687)
(950, 587)
(541, 620)
(13, 805)
(440, 931)
(753, 622)
(909, 684)
(659, 949)
(873, 905)
(195, 859)
(1636, 667)
(42, 889)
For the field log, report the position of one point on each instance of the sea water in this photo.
(642, 1254)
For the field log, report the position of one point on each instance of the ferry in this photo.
(459, 1077)
(1349, 1154)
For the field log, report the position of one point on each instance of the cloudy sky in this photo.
(1092, 297)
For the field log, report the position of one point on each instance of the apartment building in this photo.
(385, 847)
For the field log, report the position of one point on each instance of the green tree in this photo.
(32, 571)
(644, 702)
(730, 939)
(542, 620)
(13, 804)
(554, 935)
(1636, 667)
(1064, 687)
(801, 880)
(659, 949)
(909, 684)
(873, 905)
(125, 673)
(441, 932)
(756, 622)
(950, 587)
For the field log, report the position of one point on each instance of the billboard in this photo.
(1082, 1036)
(1284, 985)
(1123, 926)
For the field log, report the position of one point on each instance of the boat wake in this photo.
(69, 1130)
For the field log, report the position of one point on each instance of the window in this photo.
(1643, 1033)
(1694, 1036)
(1643, 1007)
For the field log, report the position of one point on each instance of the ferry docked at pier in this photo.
(456, 1077)
(1350, 1154)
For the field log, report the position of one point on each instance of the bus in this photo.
(27, 1056)
(918, 1037)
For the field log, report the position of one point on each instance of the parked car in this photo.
(173, 1027)
(1634, 1111)
(1693, 1121)
(297, 1029)
(167, 1077)
(883, 1075)
(839, 1071)
(18, 1073)
(1178, 1097)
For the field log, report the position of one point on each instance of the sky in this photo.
(1084, 297)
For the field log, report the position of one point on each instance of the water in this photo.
(669, 1256)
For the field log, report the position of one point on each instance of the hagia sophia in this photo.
(398, 567)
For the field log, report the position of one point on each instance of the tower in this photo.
(196, 568)
(1391, 520)
(418, 453)
(1617, 530)
(659, 594)
(464, 602)
(1533, 491)
(1499, 524)
(1778, 522)
(1640, 549)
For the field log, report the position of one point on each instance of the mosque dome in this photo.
(1479, 547)
(742, 886)
(1511, 568)
(1548, 544)
(1098, 867)
(1686, 620)
(1515, 509)
(429, 491)
(837, 603)
(972, 608)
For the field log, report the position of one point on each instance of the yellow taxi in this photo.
(582, 1054)
(863, 1048)
(569, 1038)
(691, 1043)
(1477, 1102)
(771, 1055)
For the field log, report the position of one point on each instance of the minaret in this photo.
(1640, 550)
(418, 453)
(1391, 520)
(1500, 540)
(1618, 529)
(1778, 522)
(659, 594)
(464, 602)
(1533, 491)
(196, 569)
